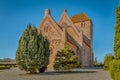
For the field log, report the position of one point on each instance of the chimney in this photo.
(47, 11)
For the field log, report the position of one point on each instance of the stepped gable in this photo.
(68, 31)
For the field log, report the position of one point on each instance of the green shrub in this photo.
(4, 67)
(115, 64)
(114, 68)
(105, 67)
(108, 58)
(66, 60)
(117, 76)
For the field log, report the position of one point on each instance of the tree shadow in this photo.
(83, 71)
(65, 72)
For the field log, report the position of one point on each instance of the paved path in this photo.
(78, 74)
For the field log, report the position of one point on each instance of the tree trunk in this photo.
(41, 70)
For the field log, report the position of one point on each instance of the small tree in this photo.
(33, 50)
(108, 58)
(66, 60)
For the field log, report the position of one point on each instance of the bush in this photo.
(105, 67)
(114, 68)
(4, 67)
(108, 58)
(66, 60)
(117, 76)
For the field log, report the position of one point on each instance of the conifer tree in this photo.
(66, 60)
(115, 64)
(33, 50)
(117, 35)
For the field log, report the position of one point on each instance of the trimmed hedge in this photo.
(114, 68)
(11, 65)
(4, 67)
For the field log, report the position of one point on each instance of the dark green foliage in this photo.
(117, 35)
(4, 67)
(9, 65)
(66, 60)
(114, 68)
(33, 50)
(108, 58)
(115, 64)
(44, 52)
(117, 76)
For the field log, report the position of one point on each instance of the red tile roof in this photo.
(79, 18)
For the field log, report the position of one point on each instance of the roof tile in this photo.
(79, 18)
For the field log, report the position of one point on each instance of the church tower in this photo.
(84, 25)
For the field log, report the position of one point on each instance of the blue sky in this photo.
(16, 14)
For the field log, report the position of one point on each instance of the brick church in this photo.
(75, 32)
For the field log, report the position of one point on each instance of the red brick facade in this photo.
(76, 32)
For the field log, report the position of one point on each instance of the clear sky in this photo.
(16, 14)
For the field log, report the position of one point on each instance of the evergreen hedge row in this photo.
(4, 67)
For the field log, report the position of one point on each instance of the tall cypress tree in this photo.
(33, 50)
(117, 35)
(114, 65)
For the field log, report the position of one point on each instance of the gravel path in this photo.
(78, 74)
